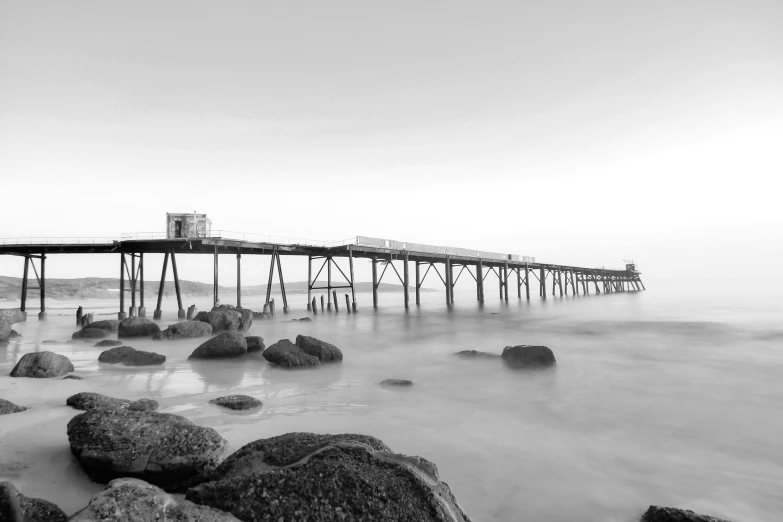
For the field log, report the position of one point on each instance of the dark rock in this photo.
(137, 327)
(132, 500)
(130, 357)
(15, 507)
(288, 355)
(52, 341)
(143, 405)
(90, 401)
(110, 325)
(90, 333)
(303, 476)
(227, 344)
(107, 342)
(42, 365)
(667, 514)
(255, 343)
(13, 334)
(476, 354)
(397, 382)
(304, 319)
(324, 351)
(186, 330)
(74, 377)
(12, 315)
(528, 356)
(7, 407)
(5, 330)
(262, 315)
(163, 449)
(226, 318)
(237, 402)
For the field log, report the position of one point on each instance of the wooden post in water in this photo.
(480, 280)
(560, 281)
(215, 298)
(519, 284)
(314, 307)
(448, 278)
(405, 279)
(309, 282)
(142, 308)
(527, 282)
(286, 309)
(418, 284)
(42, 289)
(505, 279)
(180, 309)
(157, 313)
(329, 282)
(374, 283)
(322, 303)
(133, 310)
(336, 308)
(269, 280)
(542, 283)
(79, 312)
(23, 306)
(121, 315)
(353, 284)
(239, 280)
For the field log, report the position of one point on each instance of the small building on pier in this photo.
(188, 226)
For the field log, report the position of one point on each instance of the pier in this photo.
(391, 259)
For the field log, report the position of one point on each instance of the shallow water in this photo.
(657, 398)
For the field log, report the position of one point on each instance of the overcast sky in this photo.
(577, 132)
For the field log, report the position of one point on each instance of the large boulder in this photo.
(90, 333)
(527, 356)
(12, 315)
(110, 325)
(15, 507)
(324, 351)
(255, 343)
(227, 318)
(288, 355)
(667, 514)
(227, 344)
(42, 365)
(5, 330)
(7, 407)
(130, 357)
(326, 478)
(163, 449)
(237, 402)
(133, 500)
(108, 342)
(186, 330)
(137, 327)
(90, 401)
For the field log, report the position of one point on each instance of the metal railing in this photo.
(79, 240)
(242, 236)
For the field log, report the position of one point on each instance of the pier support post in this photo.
(328, 283)
(353, 284)
(418, 284)
(42, 288)
(374, 283)
(527, 282)
(133, 310)
(347, 303)
(480, 280)
(405, 279)
(215, 297)
(640, 282)
(286, 309)
(519, 284)
(121, 315)
(239, 280)
(180, 310)
(505, 280)
(269, 280)
(314, 307)
(336, 307)
(23, 306)
(157, 313)
(309, 282)
(142, 308)
(322, 303)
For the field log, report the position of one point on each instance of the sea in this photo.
(665, 396)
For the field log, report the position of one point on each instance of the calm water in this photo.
(656, 399)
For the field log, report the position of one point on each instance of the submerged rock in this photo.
(255, 343)
(42, 365)
(143, 405)
(227, 344)
(5, 330)
(12, 315)
(132, 500)
(397, 382)
(90, 333)
(108, 342)
(110, 325)
(324, 351)
(15, 507)
(186, 330)
(137, 327)
(7, 407)
(288, 355)
(74, 377)
(325, 478)
(163, 449)
(130, 357)
(237, 402)
(89, 401)
(528, 356)
(667, 514)
(471, 354)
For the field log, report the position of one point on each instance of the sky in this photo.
(581, 133)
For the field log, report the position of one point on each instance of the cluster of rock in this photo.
(227, 318)
(306, 352)
(15, 507)
(86, 401)
(227, 344)
(9, 316)
(522, 356)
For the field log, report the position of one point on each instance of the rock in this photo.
(90, 401)
(90, 333)
(130, 357)
(163, 449)
(137, 327)
(7, 407)
(397, 382)
(74, 377)
(5, 330)
(255, 343)
(132, 500)
(143, 405)
(304, 319)
(12, 315)
(237, 402)
(227, 344)
(528, 356)
(110, 325)
(262, 315)
(13, 334)
(472, 354)
(108, 342)
(15, 507)
(303, 476)
(666, 514)
(186, 330)
(227, 318)
(42, 365)
(288, 355)
(324, 351)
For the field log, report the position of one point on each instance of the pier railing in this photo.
(243, 236)
(78, 240)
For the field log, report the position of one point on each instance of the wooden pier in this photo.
(389, 259)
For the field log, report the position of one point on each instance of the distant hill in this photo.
(107, 288)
